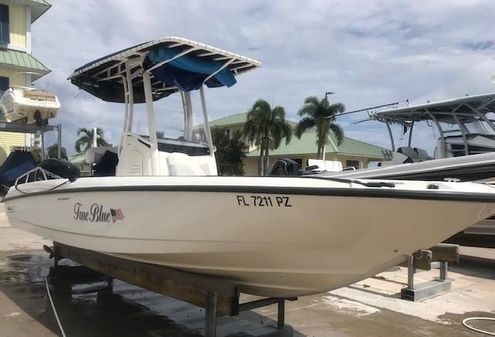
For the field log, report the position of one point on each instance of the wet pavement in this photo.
(89, 309)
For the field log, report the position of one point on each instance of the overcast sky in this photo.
(368, 52)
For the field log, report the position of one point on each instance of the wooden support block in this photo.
(422, 260)
(445, 252)
(189, 287)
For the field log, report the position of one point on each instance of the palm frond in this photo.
(287, 132)
(303, 125)
(278, 113)
(337, 108)
(82, 142)
(312, 100)
(338, 132)
(85, 131)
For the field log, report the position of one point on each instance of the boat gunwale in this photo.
(369, 192)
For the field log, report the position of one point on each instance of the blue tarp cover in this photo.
(16, 164)
(188, 72)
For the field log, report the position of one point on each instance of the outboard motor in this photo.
(61, 168)
(107, 165)
(285, 167)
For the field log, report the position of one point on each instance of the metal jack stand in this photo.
(443, 253)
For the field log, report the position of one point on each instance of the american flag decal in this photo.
(116, 214)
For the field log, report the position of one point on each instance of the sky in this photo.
(368, 52)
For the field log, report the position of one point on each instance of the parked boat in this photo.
(273, 236)
(465, 151)
(465, 168)
(31, 105)
(464, 125)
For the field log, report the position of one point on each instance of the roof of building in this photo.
(354, 147)
(236, 119)
(232, 120)
(307, 145)
(78, 158)
(23, 61)
(38, 7)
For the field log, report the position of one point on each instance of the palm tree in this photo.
(320, 114)
(231, 150)
(84, 142)
(266, 127)
(53, 151)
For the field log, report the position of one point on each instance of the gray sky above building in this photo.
(367, 52)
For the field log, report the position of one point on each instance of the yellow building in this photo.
(17, 65)
(351, 152)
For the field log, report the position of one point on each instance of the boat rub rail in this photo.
(394, 193)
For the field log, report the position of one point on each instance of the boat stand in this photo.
(217, 296)
(423, 259)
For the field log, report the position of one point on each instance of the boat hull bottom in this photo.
(264, 282)
(317, 272)
(268, 283)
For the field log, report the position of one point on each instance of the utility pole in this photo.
(329, 93)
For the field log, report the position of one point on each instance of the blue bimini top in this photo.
(174, 63)
(189, 72)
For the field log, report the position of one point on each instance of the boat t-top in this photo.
(465, 148)
(465, 126)
(272, 236)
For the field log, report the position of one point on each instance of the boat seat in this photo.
(422, 154)
(407, 154)
(181, 164)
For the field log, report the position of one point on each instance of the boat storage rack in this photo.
(217, 296)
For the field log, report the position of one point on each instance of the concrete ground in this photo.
(371, 307)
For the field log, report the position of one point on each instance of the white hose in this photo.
(464, 322)
(53, 307)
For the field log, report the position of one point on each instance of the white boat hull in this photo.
(272, 244)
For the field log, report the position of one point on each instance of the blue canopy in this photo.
(188, 72)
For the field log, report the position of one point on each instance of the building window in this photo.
(4, 84)
(352, 163)
(4, 24)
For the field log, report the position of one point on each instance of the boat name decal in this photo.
(263, 201)
(96, 213)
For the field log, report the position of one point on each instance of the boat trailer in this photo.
(217, 296)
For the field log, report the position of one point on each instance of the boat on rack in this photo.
(465, 126)
(273, 236)
(466, 168)
(465, 151)
(465, 148)
(31, 105)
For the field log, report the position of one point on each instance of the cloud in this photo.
(368, 52)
